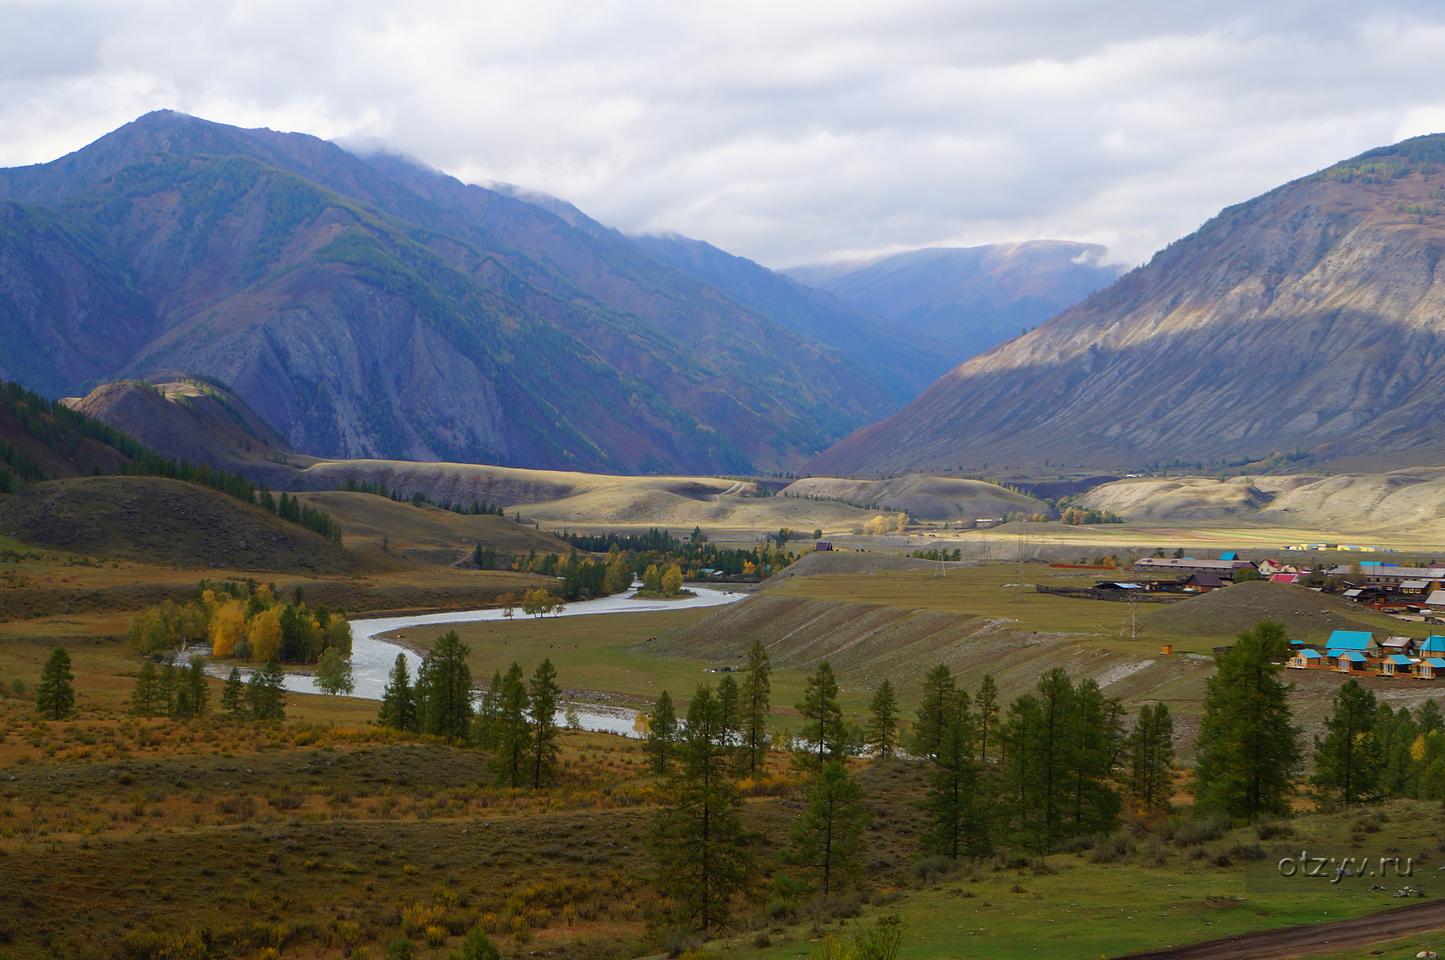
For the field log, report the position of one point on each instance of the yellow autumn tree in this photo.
(228, 627)
(264, 635)
(672, 581)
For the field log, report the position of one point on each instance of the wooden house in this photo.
(1350, 661)
(1396, 665)
(1307, 659)
(1430, 668)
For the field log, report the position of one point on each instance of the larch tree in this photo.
(1348, 759)
(513, 730)
(1248, 750)
(661, 734)
(986, 709)
(823, 728)
(398, 699)
(146, 700)
(55, 693)
(444, 689)
(729, 709)
(266, 692)
(698, 839)
(828, 837)
(934, 708)
(755, 693)
(957, 803)
(542, 708)
(233, 695)
(1151, 760)
(882, 732)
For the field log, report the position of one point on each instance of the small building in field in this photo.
(1224, 569)
(1430, 668)
(1436, 598)
(823, 546)
(1349, 661)
(1306, 659)
(1396, 665)
(1119, 586)
(1200, 583)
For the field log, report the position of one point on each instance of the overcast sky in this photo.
(789, 132)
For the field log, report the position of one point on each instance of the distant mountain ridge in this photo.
(367, 306)
(965, 300)
(1305, 325)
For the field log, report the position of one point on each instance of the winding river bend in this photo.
(372, 655)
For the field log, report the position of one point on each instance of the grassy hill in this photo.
(167, 522)
(424, 533)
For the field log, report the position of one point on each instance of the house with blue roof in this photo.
(1349, 661)
(1432, 646)
(1396, 665)
(1362, 641)
(1306, 658)
(1430, 668)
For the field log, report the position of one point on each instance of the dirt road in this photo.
(1303, 941)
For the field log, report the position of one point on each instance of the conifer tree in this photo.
(934, 708)
(55, 693)
(823, 728)
(192, 695)
(828, 838)
(266, 692)
(698, 841)
(146, 700)
(233, 695)
(661, 734)
(755, 693)
(1151, 759)
(444, 689)
(484, 724)
(1248, 743)
(729, 710)
(1095, 740)
(542, 707)
(1348, 761)
(513, 731)
(956, 799)
(398, 699)
(882, 732)
(986, 708)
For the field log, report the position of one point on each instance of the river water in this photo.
(373, 655)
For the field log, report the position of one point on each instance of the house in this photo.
(1430, 668)
(1405, 645)
(1349, 661)
(1432, 646)
(1284, 578)
(1200, 583)
(1415, 588)
(1306, 659)
(1388, 575)
(1272, 568)
(1435, 599)
(1359, 641)
(1396, 665)
(1223, 569)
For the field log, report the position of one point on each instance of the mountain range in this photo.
(957, 302)
(368, 306)
(1304, 326)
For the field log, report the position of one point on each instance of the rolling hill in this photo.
(1304, 325)
(956, 302)
(369, 306)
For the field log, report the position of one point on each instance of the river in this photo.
(372, 655)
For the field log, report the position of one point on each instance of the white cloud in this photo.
(785, 132)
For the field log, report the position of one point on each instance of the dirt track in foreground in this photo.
(1303, 941)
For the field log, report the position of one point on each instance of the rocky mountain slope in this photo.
(899, 358)
(960, 301)
(1306, 324)
(368, 306)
